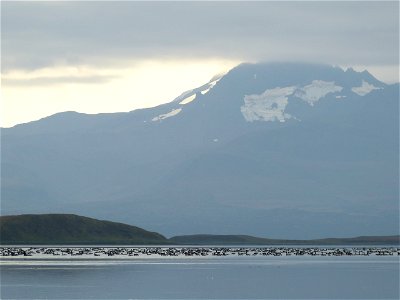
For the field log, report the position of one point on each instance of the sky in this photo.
(98, 56)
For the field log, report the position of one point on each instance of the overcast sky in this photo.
(117, 56)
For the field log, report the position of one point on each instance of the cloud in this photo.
(45, 34)
(122, 50)
(46, 81)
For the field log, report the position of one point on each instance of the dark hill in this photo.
(71, 229)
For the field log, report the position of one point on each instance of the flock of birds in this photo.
(87, 252)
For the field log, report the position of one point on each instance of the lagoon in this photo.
(209, 277)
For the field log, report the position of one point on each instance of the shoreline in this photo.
(128, 253)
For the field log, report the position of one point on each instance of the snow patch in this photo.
(205, 91)
(269, 106)
(316, 90)
(364, 89)
(340, 96)
(210, 85)
(172, 113)
(215, 140)
(188, 99)
(183, 96)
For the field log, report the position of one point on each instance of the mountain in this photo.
(209, 239)
(288, 150)
(71, 229)
(68, 229)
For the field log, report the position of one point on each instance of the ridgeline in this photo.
(208, 239)
(69, 229)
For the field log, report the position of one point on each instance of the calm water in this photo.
(204, 278)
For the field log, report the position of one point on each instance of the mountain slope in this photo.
(284, 150)
(71, 229)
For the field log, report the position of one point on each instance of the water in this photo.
(309, 277)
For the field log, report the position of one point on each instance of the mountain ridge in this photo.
(70, 229)
(208, 239)
(308, 159)
(350, 72)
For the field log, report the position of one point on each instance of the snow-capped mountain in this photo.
(279, 150)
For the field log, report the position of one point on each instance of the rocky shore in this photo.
(127, 252)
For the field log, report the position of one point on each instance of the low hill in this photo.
(71, 229)
(208, 239)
